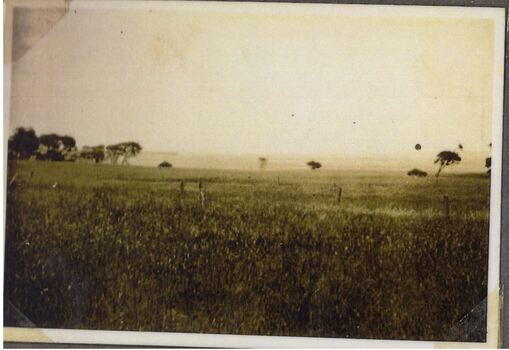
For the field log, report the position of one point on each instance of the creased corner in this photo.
(30, 335)
(483, 317)
(27, 22)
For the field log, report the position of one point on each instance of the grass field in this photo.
(104, 247)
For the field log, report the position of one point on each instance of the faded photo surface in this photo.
(253, 169)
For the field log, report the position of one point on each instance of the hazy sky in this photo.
(223, 81)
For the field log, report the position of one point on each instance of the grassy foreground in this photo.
(120, 248)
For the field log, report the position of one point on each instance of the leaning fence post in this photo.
(339, 195)
(13, 179)
(446, 205)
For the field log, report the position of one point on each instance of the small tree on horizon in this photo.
(124, 150)
(263, 162)
(487, 163)
(446, 158)
(314, 165)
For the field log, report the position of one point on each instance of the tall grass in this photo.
(121, 249)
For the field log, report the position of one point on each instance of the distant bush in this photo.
(417, 172)
(314, 165)
(164, 164)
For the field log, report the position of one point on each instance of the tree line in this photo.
(25, 144)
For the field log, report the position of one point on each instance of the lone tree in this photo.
(22, 144)
(446, 158)
(124, 150)
(263, 162)
(314, 165)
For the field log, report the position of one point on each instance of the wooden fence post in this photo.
(340, 190)
(201, 190)
(446, 205)
(182, 187)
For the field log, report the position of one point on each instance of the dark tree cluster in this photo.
(25, 144)
(57, 148)
(22, 144)
(95, 153)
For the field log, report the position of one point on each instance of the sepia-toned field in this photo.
(121, 248)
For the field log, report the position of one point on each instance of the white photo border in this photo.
(73, 336)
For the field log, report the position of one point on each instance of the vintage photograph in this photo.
(301, 170)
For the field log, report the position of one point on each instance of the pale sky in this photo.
(244, 82)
